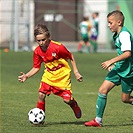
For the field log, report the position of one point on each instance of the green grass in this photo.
(18, 98)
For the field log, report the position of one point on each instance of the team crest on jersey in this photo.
(54, 54)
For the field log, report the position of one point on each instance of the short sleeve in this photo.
(64, 53)
(125, 41)
(37, 60)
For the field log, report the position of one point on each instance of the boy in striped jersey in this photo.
(56, 77)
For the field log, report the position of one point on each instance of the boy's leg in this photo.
(75, 107)
(68, 99)
(88, 47)
(80, 46)
(41, 105)
(44, 90)
(94, 44)
(127, 88)
(101, 104)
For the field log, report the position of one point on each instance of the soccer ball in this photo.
(36, 116)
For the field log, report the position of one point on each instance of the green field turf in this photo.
(18, 98)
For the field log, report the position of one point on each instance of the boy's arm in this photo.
(24, 76)
(75, 69)
(123, 56)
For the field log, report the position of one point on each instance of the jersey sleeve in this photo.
(37, 60)
(64, 53)
(125, 41)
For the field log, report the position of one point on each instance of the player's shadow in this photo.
(119, 125)
(47, 124)
(64, 123)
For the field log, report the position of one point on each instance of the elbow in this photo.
(128, 54)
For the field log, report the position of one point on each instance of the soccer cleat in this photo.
(92, 123)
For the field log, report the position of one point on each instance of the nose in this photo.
(108, 24)
(41, 42)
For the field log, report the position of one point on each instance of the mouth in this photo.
(111, 29)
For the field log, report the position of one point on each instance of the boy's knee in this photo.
(125, 100)
(67, 101)
(41, 96)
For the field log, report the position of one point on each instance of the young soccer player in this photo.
(84, 30)
(122, 72)
(56, 77)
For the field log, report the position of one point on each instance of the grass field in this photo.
(18, 98)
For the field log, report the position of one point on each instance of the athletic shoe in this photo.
(92, 123)
(77, 111)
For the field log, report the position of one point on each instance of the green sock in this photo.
(100, 105)
(88, 48)
(94, 44)
(95, 47)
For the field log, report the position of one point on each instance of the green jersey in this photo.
(123, 42)
(84, 28)
(84, 25)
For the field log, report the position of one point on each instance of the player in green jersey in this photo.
(84, 30)
(122, 71)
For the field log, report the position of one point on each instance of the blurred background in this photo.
(19, 17)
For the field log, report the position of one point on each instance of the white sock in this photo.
(98, 120)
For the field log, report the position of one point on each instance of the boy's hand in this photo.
(78, 77)
(22, 78)
(106, 64)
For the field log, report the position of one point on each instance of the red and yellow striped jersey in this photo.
(57, 70)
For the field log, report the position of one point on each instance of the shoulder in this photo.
(37, 50)
(124, 35)
(84, 23)
(55, 43)
(56, 46)
(97, 19)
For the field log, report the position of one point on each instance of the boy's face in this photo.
(114, 23)
(93, 16)
(43, 41)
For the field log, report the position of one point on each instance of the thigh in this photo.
(45, 88)
(127, 85)
(65, 94)
(110, 81)
(106, 87)
(113, 77)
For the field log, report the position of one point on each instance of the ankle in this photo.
(98, 120)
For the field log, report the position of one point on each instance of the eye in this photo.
(41, 40)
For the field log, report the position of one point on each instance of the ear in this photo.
(119, 22)
(48, 35)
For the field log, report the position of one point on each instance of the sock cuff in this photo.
(102, 95)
